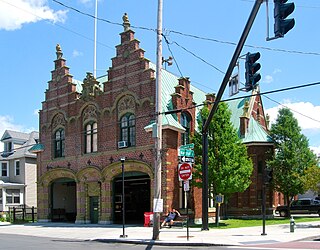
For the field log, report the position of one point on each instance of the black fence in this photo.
(22, 213)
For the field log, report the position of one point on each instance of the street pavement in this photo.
(168, 236)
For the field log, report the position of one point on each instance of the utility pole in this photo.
(95, 41)
(233, 62)
(158, 139)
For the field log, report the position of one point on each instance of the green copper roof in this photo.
(255, 132)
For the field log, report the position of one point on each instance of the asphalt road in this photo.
(10, 241)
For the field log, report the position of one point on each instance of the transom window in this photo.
(59, 143)
(128, 129)
(186, 123)
(91, 138)
(4, 169)
(13, 196)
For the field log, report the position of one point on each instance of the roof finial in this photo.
(59, 51)
(126, 23)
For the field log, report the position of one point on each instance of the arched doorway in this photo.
(63, 200)
(137, 197)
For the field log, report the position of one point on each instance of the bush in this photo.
(4, 216)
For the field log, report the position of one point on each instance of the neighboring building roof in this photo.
(16, 136)
(255, 132)
(25, 140)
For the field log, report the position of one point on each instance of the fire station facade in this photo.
(87, 127)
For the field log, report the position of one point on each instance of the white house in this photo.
(18, 170)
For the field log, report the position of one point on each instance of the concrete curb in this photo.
(159, 243)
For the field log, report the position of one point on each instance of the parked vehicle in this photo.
(301, 206)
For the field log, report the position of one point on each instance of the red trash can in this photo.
(148, 219)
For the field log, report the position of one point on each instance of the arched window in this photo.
(128, 129)
(186, 123)
(59, 143)
(91, 137)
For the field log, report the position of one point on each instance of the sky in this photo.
(201, 36)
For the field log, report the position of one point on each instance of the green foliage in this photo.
(292, 155)
(311, 178)
(229, 165)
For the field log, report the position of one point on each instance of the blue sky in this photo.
(201, 37)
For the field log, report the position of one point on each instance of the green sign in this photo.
(187, 146)
(186, 152)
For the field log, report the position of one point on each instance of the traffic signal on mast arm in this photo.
(268, 175)
(252, 77)
(282, 9)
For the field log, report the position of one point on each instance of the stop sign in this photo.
(185, 171)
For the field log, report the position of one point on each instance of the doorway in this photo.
(94, 209)
(137, 197)
(63, 200)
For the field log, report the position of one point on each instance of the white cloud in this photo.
(76, 53)
(7, 123)
(13, 14)
(316, 150)
(268, 79)
(307, 114)
(276, 71)
(85, 1)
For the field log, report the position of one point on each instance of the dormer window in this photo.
(8, 147)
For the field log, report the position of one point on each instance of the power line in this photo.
(174, 111)
(101, 19)
(190, 35)
(168, 45)
(292, 109)
(201, 59)
(246, 45)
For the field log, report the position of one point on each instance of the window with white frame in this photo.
(17, 168)
(0, 196)
(91, 137)
(4, 169)
(13, 196)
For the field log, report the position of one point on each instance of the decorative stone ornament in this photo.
(126, 23)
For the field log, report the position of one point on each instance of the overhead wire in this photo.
(295, 111)
(174, 111)
(188, 35)
(183, 34)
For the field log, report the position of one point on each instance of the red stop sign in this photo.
(185, 171)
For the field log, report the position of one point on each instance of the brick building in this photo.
(86, 127)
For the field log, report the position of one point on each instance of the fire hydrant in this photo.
(292, 224)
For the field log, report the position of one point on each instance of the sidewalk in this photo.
(168, 236)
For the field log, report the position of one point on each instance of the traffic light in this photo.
(281, 11)
(252, 77)
(268, 176)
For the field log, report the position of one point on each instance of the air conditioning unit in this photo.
(122, 144)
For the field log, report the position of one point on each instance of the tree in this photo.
(229, 166)
(311, 179)
(292, 156)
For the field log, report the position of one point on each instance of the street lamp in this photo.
(123, 199)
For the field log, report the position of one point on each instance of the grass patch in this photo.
(237, 223)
